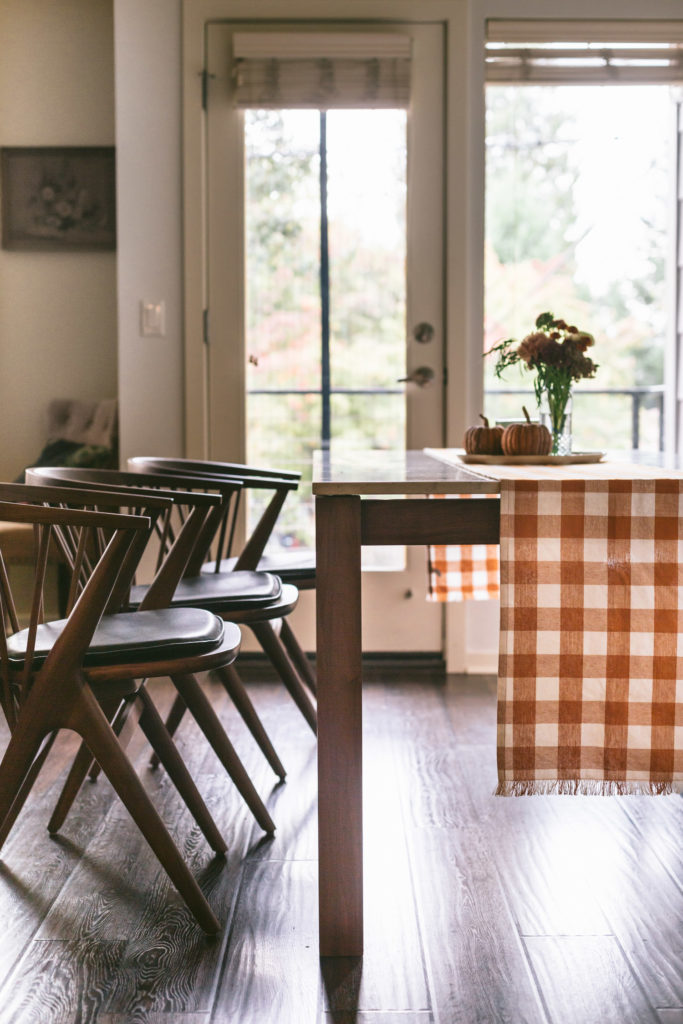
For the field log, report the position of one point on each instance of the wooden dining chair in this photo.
(249, 598)
(214, 561)
(297, 568)
(64, 674)
(238, 594)
(183, 520)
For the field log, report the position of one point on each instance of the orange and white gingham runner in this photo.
(590, 688)
(463, 572)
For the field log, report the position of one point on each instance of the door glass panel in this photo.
(367, 211)
(283, 304)
(362, 196)
(578, 183)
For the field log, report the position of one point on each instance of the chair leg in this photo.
(230, 679)
(26, 787)
(71, 788)
(200, 707)
(298, 656)
(173, 720)
(270, 643)
(124, 727)
(22, 751)
(153, 728)
(82, 763)
(90, 721)
(240, 698)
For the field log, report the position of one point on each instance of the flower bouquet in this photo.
(557, 352)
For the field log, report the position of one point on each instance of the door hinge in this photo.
(205, 326)
(445, 376)
(205, 76)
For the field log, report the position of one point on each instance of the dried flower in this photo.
(555, 350)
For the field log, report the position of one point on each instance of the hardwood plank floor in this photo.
(547, 910)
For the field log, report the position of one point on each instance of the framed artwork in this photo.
(58, 198)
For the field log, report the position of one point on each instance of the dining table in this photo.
(386, 498)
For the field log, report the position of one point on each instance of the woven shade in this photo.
(584, 52)
(321, 71)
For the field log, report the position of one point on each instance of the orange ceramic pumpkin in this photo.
(484, 440)
(526, 438)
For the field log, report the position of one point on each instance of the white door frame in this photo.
(398, 618)
(463, 257)
(463, 274)
(226, 259)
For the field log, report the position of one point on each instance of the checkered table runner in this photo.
(590, 688)
(463, 572)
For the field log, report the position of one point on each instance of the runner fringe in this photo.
(583, 787)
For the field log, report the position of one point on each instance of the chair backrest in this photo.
(80, 551)
(238, 469)
(119, 533)
(278, 483)
(183, 531)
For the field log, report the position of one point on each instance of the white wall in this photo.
(148, 131)
(57, 310)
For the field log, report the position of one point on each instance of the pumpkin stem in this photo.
(528, 417)
(484, 418)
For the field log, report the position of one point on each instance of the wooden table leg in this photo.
(340, 800)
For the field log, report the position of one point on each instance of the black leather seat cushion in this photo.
(289, 566)
(223, 590)
(133, 637)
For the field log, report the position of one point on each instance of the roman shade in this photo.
(321, 70)
(584, 52)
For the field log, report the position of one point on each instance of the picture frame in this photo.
(58, 198)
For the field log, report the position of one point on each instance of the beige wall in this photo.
(148, 163)
(57, 310)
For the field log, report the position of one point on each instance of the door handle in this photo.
(422, 376)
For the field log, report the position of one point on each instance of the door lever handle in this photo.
(422, 376)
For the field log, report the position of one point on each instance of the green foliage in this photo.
(537, 227)
(530, 211)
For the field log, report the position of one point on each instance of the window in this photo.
(579, 216)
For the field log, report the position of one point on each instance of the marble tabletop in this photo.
(408, 472)
(440, 471)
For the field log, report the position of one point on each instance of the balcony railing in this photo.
(640, 397)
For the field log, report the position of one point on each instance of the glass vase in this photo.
(557, 417)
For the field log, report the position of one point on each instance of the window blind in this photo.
(583, 52)
(321, 71)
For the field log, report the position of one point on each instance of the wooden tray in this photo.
(533, 460)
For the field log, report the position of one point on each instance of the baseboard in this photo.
(483, 663)
(254, 665)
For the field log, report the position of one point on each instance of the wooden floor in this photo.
(545, 909)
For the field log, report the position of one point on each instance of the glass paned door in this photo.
(326, 293)
(324, 251)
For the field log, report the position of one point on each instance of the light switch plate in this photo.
(152, 319)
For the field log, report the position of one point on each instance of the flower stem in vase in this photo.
(556, 415)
